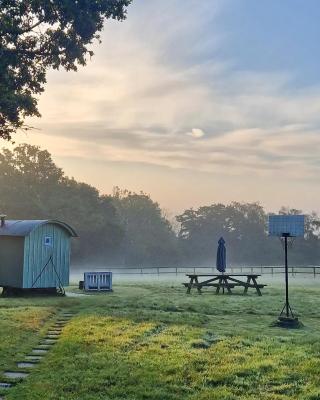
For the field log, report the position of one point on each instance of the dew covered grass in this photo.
(152, 341)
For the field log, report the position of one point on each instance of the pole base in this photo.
(288, 322)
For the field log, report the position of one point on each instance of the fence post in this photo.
(314, 272)
(272, 271)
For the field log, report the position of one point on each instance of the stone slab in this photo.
(15, 374)
(49, 341)
(5, 385)
(39, 351)
(34, 358)
(25, 364)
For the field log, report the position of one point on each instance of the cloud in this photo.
(196, 133)
(158, 76)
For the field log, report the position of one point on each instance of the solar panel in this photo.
(286, 225)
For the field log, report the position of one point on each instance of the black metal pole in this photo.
(286, 274)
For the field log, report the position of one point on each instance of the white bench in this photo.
(98, 281)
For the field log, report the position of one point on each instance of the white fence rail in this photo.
(263, 270)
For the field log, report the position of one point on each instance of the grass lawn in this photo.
(152, 341)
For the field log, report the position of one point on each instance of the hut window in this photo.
(48, 240)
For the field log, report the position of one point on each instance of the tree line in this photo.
(130, 229)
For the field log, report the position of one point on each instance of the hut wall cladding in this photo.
(37, 254)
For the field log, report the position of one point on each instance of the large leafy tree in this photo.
(242, 226)
(38, 34)
(148, 236)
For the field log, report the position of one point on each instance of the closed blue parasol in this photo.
(221, 256)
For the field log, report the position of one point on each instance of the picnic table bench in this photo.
(224, 281)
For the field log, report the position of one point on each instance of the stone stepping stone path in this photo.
(37, 353)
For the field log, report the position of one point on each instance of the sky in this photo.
(195, 102)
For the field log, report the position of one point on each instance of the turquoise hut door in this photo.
(47, 256)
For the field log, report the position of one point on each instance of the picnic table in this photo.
(224, 281)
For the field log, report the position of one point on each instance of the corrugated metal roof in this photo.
(24, 227)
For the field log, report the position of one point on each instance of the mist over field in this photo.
(305, 277)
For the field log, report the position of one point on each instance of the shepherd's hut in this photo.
(34, 254)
